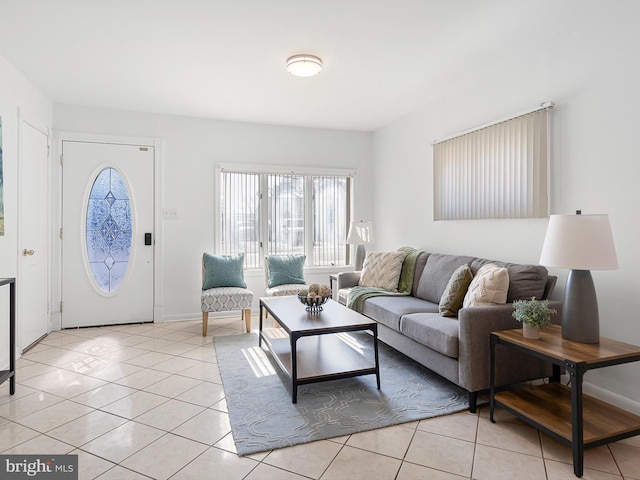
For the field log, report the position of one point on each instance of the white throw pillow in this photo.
(382, 270)
(488, 287)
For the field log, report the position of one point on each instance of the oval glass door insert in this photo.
(108, 230)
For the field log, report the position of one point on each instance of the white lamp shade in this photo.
(579, 242)
(304, 65)
(360, 233)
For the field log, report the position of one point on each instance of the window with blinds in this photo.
(284, 214)
(500, 170)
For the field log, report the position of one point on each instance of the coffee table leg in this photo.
(260, 329)
(375, 349)
(294, 369)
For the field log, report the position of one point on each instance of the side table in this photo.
(11, 373)
(563, 412)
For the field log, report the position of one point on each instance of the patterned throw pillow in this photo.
(488, 287)
(455, 291)
(382, 270)
(223, 271)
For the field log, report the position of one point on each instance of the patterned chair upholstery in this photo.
(225, 299)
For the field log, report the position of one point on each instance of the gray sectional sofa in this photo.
(457, 348)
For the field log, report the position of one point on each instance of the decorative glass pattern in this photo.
(108, 230)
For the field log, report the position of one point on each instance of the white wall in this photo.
(590, 70)
(16, 95)
(192, 147)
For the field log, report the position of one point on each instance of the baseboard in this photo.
(608, 396)
(198, 316)
(180, 317)
(613, 398)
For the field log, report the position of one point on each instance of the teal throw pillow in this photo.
(285, 269)
(223, 271)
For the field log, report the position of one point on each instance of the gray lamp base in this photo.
(360, 254)
(580, 320)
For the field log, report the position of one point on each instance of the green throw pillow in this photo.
(223, 271)
(285, 269)
(456, 289)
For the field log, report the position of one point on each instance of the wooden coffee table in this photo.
(315, 347)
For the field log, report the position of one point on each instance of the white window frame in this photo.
(282, 170)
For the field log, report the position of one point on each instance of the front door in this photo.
(107, 233)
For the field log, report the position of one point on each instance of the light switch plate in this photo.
(170, 214)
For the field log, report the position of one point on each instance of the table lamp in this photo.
(581, 243)
(360, 234)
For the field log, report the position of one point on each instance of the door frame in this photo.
(46, 131)
(158, 275)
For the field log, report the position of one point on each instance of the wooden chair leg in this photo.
(246, 313)
(205, 323)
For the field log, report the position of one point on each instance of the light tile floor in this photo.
(146, 401)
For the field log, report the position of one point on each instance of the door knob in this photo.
(26, 252)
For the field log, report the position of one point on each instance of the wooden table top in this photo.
(553, 345)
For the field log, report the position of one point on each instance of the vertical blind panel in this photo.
(284, 220)
(240, 216)
(286, 214)
(329, 220)
(501, 171)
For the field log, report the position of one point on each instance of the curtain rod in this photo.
(542, 106)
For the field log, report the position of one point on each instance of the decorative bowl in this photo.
(313, 303)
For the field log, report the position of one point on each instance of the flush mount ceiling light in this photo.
(304, 65)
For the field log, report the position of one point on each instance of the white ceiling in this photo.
(225, 59)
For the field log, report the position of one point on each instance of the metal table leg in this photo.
(492, 384)
(375, 349)
(294, 368)
(576, 371)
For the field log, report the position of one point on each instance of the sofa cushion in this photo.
(525, 281)
(420, 263)
(435, 331)
(389, 309)
(436, 275)
(488, 287)
(382, 270)
(455, 291)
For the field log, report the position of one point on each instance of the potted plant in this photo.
(534, 314)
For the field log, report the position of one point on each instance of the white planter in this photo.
(529, 331)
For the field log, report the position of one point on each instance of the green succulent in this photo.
(533, 312)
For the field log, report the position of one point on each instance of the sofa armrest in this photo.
(476, 323)
(347, 279)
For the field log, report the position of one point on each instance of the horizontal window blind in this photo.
(497, 171)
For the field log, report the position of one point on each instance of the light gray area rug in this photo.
(262, 416)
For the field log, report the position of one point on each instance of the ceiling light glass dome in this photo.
(304, 65)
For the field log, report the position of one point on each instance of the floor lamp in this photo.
(581, 243)
(360, 234)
